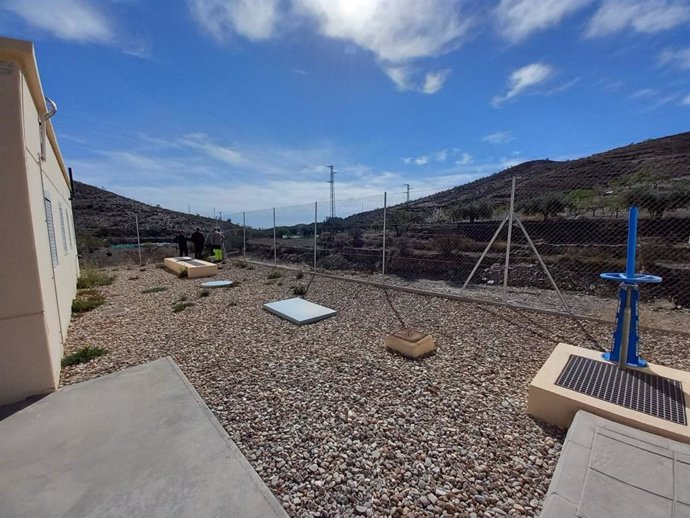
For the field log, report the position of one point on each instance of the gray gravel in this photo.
(335, 424)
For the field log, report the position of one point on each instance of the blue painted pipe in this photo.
(632, 243)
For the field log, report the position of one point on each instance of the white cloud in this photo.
(407, 160)
(421, 160)
(206, 145)
(522, 79)
(517, 19)
(255, 20)
(500, 137)
(679, 58)
(407, 79)
(433, 81)
(646, 16)
(441, 156)
(465, 159)
(686, 100)
(394, 31)
(76, 20)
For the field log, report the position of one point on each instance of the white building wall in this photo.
(35, 294)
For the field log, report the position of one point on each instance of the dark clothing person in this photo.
(181, 240)
(198, 240)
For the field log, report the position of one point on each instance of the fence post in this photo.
(383, 263)
(136, 221)
(244, 236)
(275, 247)
(316, 217)
(510, 235)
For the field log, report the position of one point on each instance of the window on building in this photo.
(51, 231)
(62, 228)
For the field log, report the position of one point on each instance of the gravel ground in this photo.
(335, 424)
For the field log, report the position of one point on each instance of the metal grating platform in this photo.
(653, 395)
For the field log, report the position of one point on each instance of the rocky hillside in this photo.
(665, 159)
(102, 214)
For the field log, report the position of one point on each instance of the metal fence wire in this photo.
(528, 241)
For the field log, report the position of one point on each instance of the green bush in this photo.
(204, 293)
(82, 355)
(274, 274)
(181, 306)
(299, 290)
(91, 278)
(86, 300)
(155, 289)
(299, 275)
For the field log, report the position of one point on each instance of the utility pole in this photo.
(407, 185)
(332, 182)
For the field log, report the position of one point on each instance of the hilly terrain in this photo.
(665, 159)
(109, 217)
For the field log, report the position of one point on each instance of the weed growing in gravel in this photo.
(133, 277)
(274, 274)
(299, 290)
(250, 267)
(91, 278)
(299, 275)
(181, 306)
(270, 282)
(182, 298)
(155, 289)
(204, 293)
(86, 300)
(241, 263)
(83, 355)
(183, 274)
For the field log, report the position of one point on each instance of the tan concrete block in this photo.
(195, 268)
(411, 343)
(558, 405)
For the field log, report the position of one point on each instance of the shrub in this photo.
(299, 290)
(274, 274)
(181, 306)
(155, 289)
(204, 293)
(91, 278)
(334, 262)
(82, 355)
(86, 300)
(299, 275)
(241, 263)
(183, 274)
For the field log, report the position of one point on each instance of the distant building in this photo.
(38, 250)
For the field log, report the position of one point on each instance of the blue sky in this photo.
(240, 105)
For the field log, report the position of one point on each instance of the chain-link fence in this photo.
(546, 253)
(530, 241)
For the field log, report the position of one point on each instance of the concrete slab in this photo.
(299, 311)
(610, 470)
(557, 405)
(192, 268)
(138, 443)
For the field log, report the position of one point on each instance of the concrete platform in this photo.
(558, 405)
(299, 311)
(194, 268)
(138, 443)
(411, 343)
(609, 470)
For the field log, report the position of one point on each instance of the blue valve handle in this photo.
(635, 279)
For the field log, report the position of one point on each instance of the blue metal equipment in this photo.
(625, 336)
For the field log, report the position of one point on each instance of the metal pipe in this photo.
(486, 251)
(316, 218)
(136, 221)
(244, 236)
(625, 332)
(546, 270)
(510, 236)
(275, 247)
(383, 264)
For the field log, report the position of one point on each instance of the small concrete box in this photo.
(410, 343)
(195, 267)
(558, 405)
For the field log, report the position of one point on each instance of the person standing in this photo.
(181, 240)
(198, 240)
(215, 243)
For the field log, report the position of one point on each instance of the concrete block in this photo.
(411, 343)
(195, 268)
(558, 405)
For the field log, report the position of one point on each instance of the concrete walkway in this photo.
(136, 443)
(609, 470)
